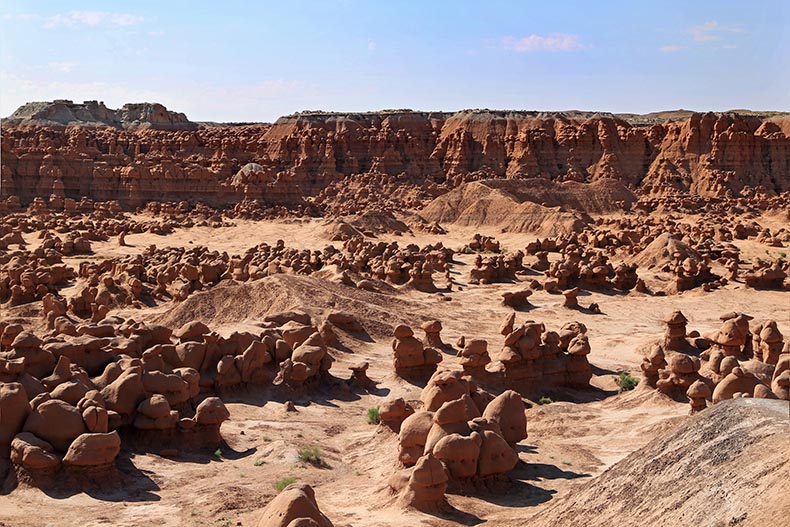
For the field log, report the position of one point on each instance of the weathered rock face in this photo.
(143, 152)
(95, 113)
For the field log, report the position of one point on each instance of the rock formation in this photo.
(295, 506)
(135, 154)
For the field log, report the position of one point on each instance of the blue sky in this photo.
(255, 61)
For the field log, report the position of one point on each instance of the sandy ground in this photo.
(568, 445)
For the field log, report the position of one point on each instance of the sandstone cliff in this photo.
(300, 155)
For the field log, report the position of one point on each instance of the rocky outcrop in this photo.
(143, 152)
(95, 113)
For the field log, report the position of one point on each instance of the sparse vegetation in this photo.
(373, 415)
(545, 400)
(626, 382)
(218, 453)
(260, 463)
(281, 483)
(310, 455)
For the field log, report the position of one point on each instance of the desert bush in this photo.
(281, 483)
(311, 454)
(373, 415)
(626, 382)
(545, 400)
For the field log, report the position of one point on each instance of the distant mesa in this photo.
(131, 116)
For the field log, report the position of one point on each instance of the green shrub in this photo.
(280, 484)
(218, 452)
(626, 382)
(373, 415)
(310, 455)
(545, 400)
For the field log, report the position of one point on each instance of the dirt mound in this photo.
(232, 304)
(725, 466)
(369, 223)
(529, 205)
(660, 252)
(378, 222)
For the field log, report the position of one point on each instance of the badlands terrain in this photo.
(394, 319)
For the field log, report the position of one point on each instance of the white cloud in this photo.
(671, 48)
(372, 45)
(552, 42)
(62, 67)
(711, 31)
(91, 19)
(704, 32)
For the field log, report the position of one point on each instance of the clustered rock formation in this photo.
(65, 398)
(173, 273)
(532, 360)
(536, 360)
(463, 438)
(738, 360)
(410, 357)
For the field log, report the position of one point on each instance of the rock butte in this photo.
(254, 324)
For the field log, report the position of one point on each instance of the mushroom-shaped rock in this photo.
(14, 410)
(293, 507)
(571, 298)
(92, 450)
(676, 318)
(126, 392)
(211, 411)
(403, 331)
(517, 299)
(432, 331)
(393, 412)
(154, 414)
(507, 410)
(56, 422)
(474, 355)
(459, 454)
(738, 381)
(451, 418)
(33, 453)
(427, 485)
(445, 386)
(191, 331)
(412, 437)
(496, 456)
(697, 393)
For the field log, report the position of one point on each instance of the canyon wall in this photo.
(299, 155)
